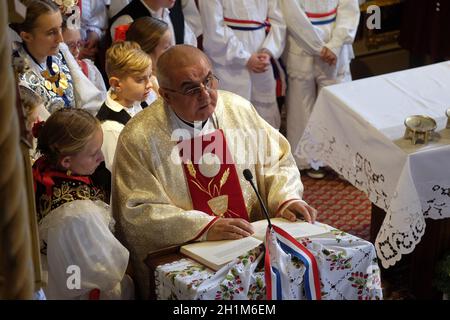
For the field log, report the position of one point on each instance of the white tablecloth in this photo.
(357, 128)
(347, 266)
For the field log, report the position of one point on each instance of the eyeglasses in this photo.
(208, 84)
(75, 44)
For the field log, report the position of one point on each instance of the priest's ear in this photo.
(165, 94)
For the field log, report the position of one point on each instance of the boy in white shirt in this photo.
(318, 53)
(237, 38)
(129, 71)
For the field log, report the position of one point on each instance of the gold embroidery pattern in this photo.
(218, 202)
(67, 191)
(51, 81)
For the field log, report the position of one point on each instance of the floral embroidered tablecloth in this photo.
(347, 266)
(357, 129)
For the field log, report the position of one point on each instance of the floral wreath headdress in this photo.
(66, 6)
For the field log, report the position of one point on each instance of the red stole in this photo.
(211, 175)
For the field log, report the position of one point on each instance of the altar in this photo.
(358, 129)
(347, 266)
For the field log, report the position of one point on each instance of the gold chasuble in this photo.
(153, 191)
(211, 176)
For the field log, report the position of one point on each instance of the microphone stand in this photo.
(249, 177)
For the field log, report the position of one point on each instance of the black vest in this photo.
(102, 176)
(106, 113)
(135, 9)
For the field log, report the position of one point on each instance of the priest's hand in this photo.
(229, 228)
(299, 209)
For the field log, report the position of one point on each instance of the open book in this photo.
(216, 254)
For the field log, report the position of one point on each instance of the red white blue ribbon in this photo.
(245, 25)
(291, 246)
(322, 18)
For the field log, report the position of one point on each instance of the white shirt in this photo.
(111, 129)
(94, 17)
(232, 48)
(192, 16)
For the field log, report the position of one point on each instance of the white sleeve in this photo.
(77, 234)
(276, 38)
(220, 41)
(111, 132)
(96, 77)
(126, 19)
(189, 35)
(94, 16)
(347, 20)
(87, 96)
(300, 28)
(192, 16)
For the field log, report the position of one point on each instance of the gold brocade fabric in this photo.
(150, 199)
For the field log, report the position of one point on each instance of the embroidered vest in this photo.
(54, 188)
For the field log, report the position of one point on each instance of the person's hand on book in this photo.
(299, 209)
(229, 228)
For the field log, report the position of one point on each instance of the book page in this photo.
(214, 254)
(298, 229)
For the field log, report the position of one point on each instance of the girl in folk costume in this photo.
(74, 223)
(72, 38)
(237, 39)
(154, 37)
(318, 53)
(45, 65)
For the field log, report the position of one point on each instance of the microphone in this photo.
(249, 177)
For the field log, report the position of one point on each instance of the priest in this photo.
(178, 170)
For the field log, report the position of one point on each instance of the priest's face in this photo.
(193, 93)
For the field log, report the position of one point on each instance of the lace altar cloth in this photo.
(357, 129)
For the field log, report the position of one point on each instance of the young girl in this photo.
(72, 38)
(154, 37)
(82, 257)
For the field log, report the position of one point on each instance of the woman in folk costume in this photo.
(82, 257)
(318, 53)
(46, 65)
(236, 39)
